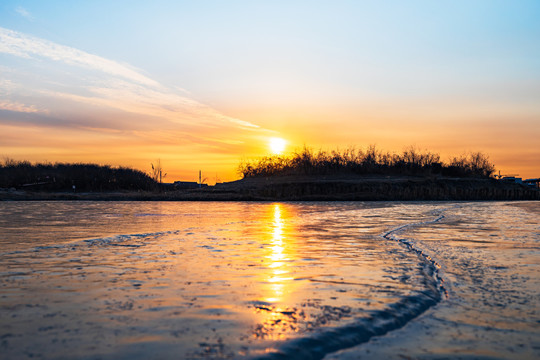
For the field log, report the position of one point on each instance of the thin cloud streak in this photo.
(128, 90)
(24, 13)
(28, 47)
(18, 107)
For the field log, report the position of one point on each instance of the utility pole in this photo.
(200, 179)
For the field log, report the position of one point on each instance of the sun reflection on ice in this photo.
(278, 257)
(278, 318)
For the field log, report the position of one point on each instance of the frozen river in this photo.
(214, 280)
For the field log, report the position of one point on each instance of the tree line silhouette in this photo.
(411, 161)
(79, 177)
(92, 177)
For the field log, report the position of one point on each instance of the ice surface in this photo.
(267, 280)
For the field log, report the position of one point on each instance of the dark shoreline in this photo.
(305, 188)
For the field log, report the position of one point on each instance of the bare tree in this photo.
(157, 172)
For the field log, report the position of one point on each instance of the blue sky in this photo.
(450, 76)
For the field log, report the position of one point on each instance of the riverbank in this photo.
(306, 188)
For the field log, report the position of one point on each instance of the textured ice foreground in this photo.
(295, 280)
(490, 257)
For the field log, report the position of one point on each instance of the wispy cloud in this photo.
(26, 46)
(17, 107)
(119, 86)
(7, 88)
(24, 13)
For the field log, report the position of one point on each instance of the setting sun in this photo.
(277, 145)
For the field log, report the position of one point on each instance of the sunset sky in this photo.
(205, 84)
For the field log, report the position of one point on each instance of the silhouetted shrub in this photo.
(62, 177)
(371, 161)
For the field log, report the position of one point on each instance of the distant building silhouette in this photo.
(184, 185)
(532, 182)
